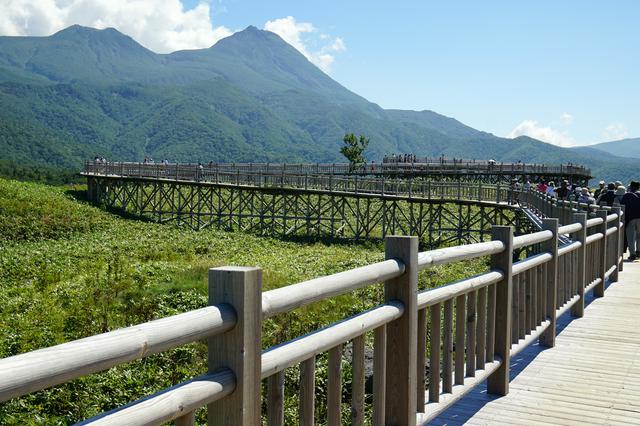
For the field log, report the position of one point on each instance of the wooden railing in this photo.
(471, 329)
(191, 170)
(351, 184)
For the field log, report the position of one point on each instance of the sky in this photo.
(566, 72)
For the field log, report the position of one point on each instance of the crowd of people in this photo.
(611, 194)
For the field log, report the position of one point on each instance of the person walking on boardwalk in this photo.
(607, 197)
(631, 202)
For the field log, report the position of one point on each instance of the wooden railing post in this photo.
(239, 349)
(402, 346)
(580, 268)
(598, 291)
(548, 338)
(618, 251)
(498, 382)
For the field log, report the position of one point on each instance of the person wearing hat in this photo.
(607, 198)
(585, 197)
(599, 190)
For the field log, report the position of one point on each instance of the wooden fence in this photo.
(291, 180)
(182, 170)
(469, 329)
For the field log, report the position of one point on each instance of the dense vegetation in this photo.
(250, 97)
(92, 272)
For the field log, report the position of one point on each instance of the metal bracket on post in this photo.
(238, 349)
(402, 334)
(498, 382)
(548, 338)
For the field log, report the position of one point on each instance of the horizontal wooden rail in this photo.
(569, 229)
(288, 354)
(285, 299)
(447, 255)
(432, 410)
(567, 306)
(594, 222)
(530, 239)
(611, 217)
(534, 335)
(450, 291)
(594, 237)
(568, 248)
(423, 166)
(47, 367)
(530, 262)
(171, 403)
(592, 285)
(610, 271)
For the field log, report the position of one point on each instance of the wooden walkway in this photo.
(592, 376)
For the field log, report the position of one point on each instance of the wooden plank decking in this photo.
(592, 376)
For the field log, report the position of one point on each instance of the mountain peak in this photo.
(110, 38)
(253, 34)
(79, 30)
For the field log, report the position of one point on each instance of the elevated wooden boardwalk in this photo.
(479, 328)
(591, 376)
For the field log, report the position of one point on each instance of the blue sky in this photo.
(570, 66)
(564, 71)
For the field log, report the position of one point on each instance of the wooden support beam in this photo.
(598, 291)
(580, 268)
(548, 338)
(400, 404)
(498, 382)
(617, 246)
(238, 349)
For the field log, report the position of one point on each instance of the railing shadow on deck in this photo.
(476, 399)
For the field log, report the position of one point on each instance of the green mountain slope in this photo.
(621, 148)
(251, 97)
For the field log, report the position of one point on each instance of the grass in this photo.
(69, 270)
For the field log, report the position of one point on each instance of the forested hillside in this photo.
(251, 97)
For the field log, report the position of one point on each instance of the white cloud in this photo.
(160, 25)
(566, 118)
(615, 131)
(338, 45)
(546, 134)
(299, 35)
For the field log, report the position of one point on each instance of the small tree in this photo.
(353, 150)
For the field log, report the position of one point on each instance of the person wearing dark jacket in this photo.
(607, 198)
(563, 192)
(631, 203)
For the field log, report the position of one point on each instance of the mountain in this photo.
(621, 148)
(250, 97)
